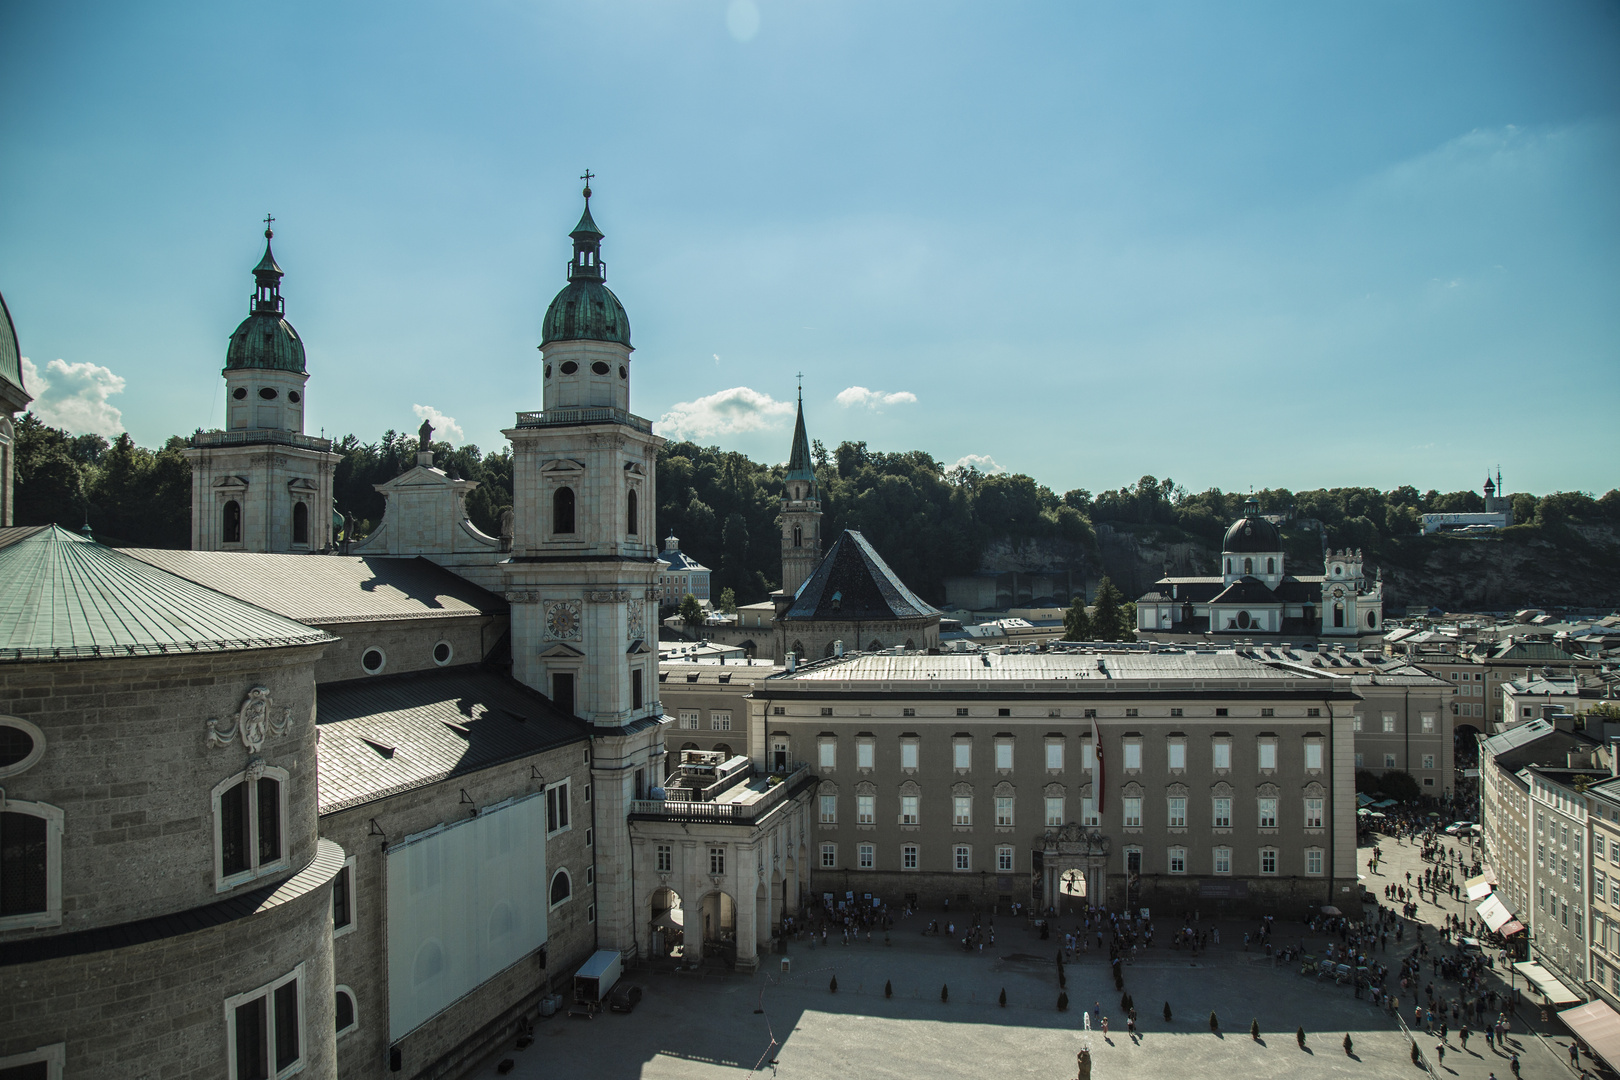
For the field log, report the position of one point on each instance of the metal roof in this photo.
(63, 596)
(382, 736)
(854, 584)
(10, 355)
(328, 589)
(1094, 667)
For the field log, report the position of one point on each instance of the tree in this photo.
(1400, 785)
(728, 601)
(1254, 1029)
(1076, 623)
(1167, 1012)
(692, 613)
(1108, 614)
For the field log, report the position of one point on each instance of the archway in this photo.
(667, 925)
(722, 748)
(717, 914)
(828, 651)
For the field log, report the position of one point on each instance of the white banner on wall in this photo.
(465, 901)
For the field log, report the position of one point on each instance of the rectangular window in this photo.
(868, 856)
(1004, 860)
(557, 807)
(908, 753)
(962, 754)
(829, 809)
(265, 1030)
(1088, 812)
(635, 689)
(865, 754)
(908, 809)
(717, 860)
(1223, 860)
(1221, 712)
(865, 809)
(1175, 712)
(1132, 712)
(1313, 813)
(1268, 860)
(1132, 813)
(689, 719)
(964, 857)
(1054, 755)
(1360, 760)
(1355, 722)
(961, 712)
(828, 751)
(1268, 753)
(666, 858)
(719, 721)
(1176, 754)
(962, 810)
(1133, 754)
(1054, 810)
(1263, 712)
(1221, 754)
(1223, 813)
(1178, 860)
(1428, 723)
(1597, 845)
(908, 857)
(1313, 713)
(1003, 712)
(1313, 756)
(1313, 860)
(1177, 812)
(1004, 754)
(826, 710)
(1389, 722)
(1389, 761)
(343, 898)
(1428, 761)
(1600, 887)
(1268, 813)
(829, 856)
(1004, 811)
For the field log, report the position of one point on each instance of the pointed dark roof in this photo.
(854, 584)
(801, 466)
(1246, 590)
(587, 225)
(267, 265)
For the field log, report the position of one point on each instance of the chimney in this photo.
(792, 663)
(838, 648)
(1614, 756)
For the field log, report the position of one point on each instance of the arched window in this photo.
(300, 523)
(250, 822)
(631, 514)
(562, 510)
(1372, 619)
(1228, 566)
(30, 865)
(561, 887)
(346, 1019)
(1271, 566)
(233, 522)
(1248, 566)
(1338, 614)
(798, 536)
(722, 748)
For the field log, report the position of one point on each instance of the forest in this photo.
(928, 521)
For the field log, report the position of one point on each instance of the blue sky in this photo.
(1270, 245)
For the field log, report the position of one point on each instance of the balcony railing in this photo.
(583, 415)
(258, 437)
(725, 813)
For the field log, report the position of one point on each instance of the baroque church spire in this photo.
(801, 465)
(267, 278)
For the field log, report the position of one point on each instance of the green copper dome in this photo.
(10, 354)
(586, 309)
(266, 340)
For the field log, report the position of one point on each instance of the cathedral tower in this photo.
(801, 512)
(582, 579)
(262, 484)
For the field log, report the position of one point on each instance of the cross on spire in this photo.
(800, 377)
(268, 220)
(587, 178)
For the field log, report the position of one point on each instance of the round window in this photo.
(21, 745)
(548, 371)
(373, 660)
(1243, 620)
(623, 374)
(442, 652)
(268, 393)
(292, 396)
(239, 393)
(600, 368)
(569, 367)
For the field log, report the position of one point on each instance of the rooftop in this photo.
(854, 584)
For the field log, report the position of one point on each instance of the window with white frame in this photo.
(1088, 812)
(1131, 814)
(689, 719)
(1355, 722)
(1221, 812)
(1178, 860)
(1313, 861)
(1360, 760)
(666, 858)
(865, 809)
(558, 811)
(250, 826)
(1054, 810)
(827, 753)
(908, 809)
(1313, 813)
(1428, 761)
(1132, 754)
(829, 809)
(1428, 723)
(909, 753)
(961, 810)
(264, 1030)
(865, 754)
(962, 753)
(348, 1014)
(43, 1063)
(1004, 754)
(829, 856)
(1389, 761)
(868, 856)
(1268, 812)
(562, 888)
(1088, 755)
(1176, 754)
(717, 860)
(908, 857)
(1313, 755)
(343, 899)
(1176, 808)
(963, 857)
(1389, 722)
(1004, 811)
(1004, 859)
(1267, 753)
(30, 864)
(1220, 751)
(719, 721)
(1268, 860)
(1223, 860)
(1054, 753)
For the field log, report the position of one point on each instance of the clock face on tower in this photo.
(562, 619)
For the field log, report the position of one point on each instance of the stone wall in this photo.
(407, 644)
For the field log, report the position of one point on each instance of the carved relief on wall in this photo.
(635, 620)
(255, 721)
(562, 620)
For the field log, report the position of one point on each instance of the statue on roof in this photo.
(424, 435)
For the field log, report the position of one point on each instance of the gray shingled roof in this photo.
(64, 597)
(326, 589)
(854, 584)
(381, 736)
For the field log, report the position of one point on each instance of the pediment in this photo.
(563, 465)
(637, 647)
(231, 482)
(560, 650)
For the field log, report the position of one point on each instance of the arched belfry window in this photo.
(631, 513)
(300, 523)
(1338, 614)
(1271, 566)
(562, 510)
(1248, 566)
(232, 522)
(798, 536)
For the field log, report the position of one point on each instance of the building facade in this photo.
(680, 575)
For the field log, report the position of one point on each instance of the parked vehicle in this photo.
(1461, 828)
(624, 997)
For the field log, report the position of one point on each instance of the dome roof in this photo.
(266, 341)
(10, 355)
(585, 310)
(1251, 532)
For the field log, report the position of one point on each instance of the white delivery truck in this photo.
(594, 981)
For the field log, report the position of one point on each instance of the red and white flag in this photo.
(1096, 770)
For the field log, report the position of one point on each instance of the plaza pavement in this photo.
(691, 1027)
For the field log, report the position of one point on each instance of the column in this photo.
(746, 877)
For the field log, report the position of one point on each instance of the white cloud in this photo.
(445, 428)
(724, 413)
(983, 462)
(874, 399)
(74, 396)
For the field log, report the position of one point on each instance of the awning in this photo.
(1546, 982)
(1598, 1026)
(1494, 912)
(1480, 887)
(1511, 928)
